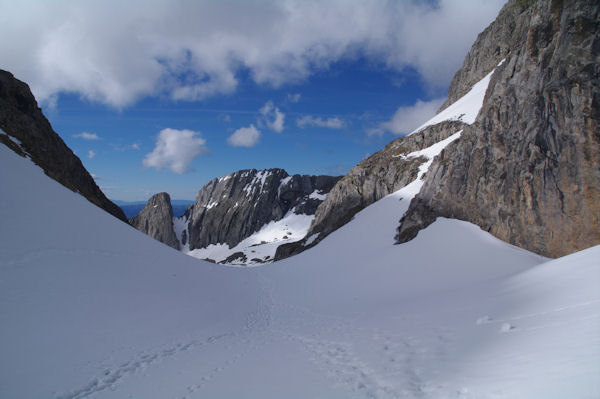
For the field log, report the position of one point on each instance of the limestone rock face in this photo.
(22, 119)
(377, 176)
(156, 220)
(230, 208)
(528, 169)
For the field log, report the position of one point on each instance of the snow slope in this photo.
(92, 308)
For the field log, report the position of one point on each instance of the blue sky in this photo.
(164, 96)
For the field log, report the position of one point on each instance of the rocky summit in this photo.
(25, 129)
(528, 169)
(156, 220)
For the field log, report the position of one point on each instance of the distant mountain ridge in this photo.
(231, 213)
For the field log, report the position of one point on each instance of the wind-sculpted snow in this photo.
(94, 308)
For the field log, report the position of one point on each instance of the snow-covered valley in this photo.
(90, 307)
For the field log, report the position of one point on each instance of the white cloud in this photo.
(87, 136)
(91, 154)
(406, 119)
(330, 123)
(175, 150)
(194, 49)
(293, 98)
(244, 137)
(135, 146)
(273, 117)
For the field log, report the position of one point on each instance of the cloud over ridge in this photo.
(408, 118)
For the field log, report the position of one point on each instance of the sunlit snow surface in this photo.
(90, 307)
(464, 109)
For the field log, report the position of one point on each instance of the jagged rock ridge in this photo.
(22, 119)
(230, 210)
(528, 169)
(156, 220)
(233, 207)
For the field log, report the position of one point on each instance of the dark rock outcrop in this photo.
(380, 174)
(156, 220)
(528, 169)
(233, 207)
(22, 119)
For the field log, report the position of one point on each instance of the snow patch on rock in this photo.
(464, 109)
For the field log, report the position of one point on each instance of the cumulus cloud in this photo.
(406, 119)
(244, 137)
(191, 50)
(272, 117)
(91, 154)
(330, 123)
(87, 136)
(175, 150)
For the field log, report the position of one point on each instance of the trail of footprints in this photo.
(395, 374)
(111, 377)
(257, 321)
(395, 370)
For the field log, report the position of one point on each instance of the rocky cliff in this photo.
(233, 207)
(528, 169)
(156, 220)
(25, 130)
